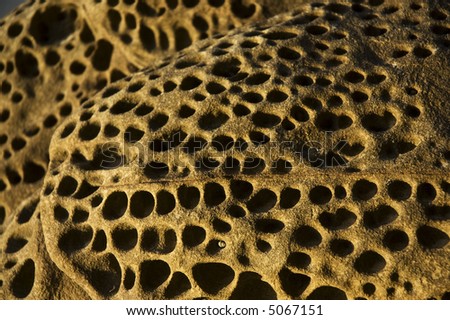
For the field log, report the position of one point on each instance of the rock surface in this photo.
(305, 155)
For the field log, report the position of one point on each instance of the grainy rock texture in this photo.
(303, 156)
(54, 55)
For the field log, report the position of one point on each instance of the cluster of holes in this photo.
(126, 23)
(163, 241)
(212, 277)
(49, 25)
(22, 283)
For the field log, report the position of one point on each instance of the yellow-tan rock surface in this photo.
(300, 156)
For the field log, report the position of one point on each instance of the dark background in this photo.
(6, 6)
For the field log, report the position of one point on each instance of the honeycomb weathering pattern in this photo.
(56, 54)
(27, 270)
(302, 157)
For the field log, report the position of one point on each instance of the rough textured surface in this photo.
(305, 156)
(27, 270)
(56, 54)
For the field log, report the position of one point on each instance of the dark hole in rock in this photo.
(377, 123)
(133, 135)
(106, 277)
(193, 236)
(67, 186)
(212, 277)
(186, 111)
(158, 121)
(194, 144)
(231, 166)
(250, 286)
(23, 281)
(165, 202)
(221, 226)
(80, 215)
(32, 172)
(15, 244)
(27, 64)
(341, 247)
(399, 190)
(27, 212)
(374, 31)
(236, 211)
(60, 214)
(214, 194)
(369, 288)
(281, 166)
(257, 79)
(426, 192)
(369, 262)
(156, 170)
(75, 239)
(226, 68)
(307, 236)
(316, 30)
(104, 159)
(269, 225)
(129, 279)
(299, 114)
(52, 25)
(262, 201)
(122, 106)
(215, 88)
(182, 38)
(253, 166)
(89, 131)
(153, 273)
(364, 189)
(327, 293)
(438, 213)
(222, 143)
(396, 240)
(85, 190)
(294, 284)
(299, 260)
(382, 215)
(124, 237)
(252, 97)
(100, 241)
(142, 204)
(241, 10)
(288, 54)
(431, 238)
(178, 285)
(265, 120)
(115, 205)
(289, 197)
(342, 219)
(147, 37)
(320, 195)
(189, 197)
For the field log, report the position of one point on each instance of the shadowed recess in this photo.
(327, 293)
(23, 281)
(153, 273)
(75, 239)
(141, 204)
(178, 285)
(294, 284)
(307, 236)
(250, 286)
(106, 275)
(213, 276)
(370, 262)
